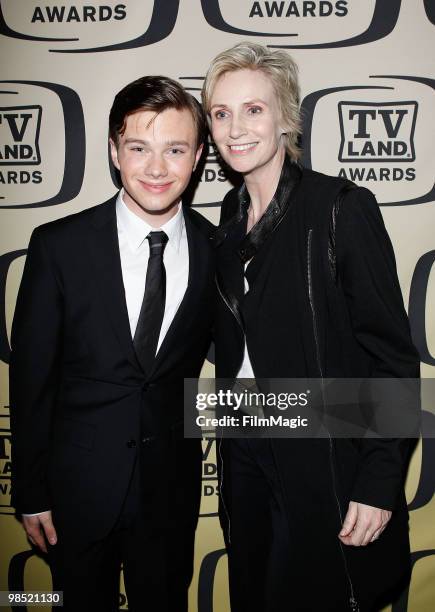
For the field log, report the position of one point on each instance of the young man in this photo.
(112, 314)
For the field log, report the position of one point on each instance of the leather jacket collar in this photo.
(272, 217)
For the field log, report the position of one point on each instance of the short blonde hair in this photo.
(279, 67)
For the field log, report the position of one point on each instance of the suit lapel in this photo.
(106, 260)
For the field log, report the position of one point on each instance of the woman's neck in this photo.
(261, 185)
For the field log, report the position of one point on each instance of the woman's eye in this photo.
(220, 114)
(254, 110)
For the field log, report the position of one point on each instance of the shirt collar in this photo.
(136, 229)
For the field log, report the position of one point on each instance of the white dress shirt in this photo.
(134, 251)
(246, 370)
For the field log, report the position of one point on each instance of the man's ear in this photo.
(198, 156)
(114, 154)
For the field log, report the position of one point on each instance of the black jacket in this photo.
(324, 301)
(78, 393)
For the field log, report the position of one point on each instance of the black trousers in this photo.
(157, 565)
(257, 534)
(264, 573)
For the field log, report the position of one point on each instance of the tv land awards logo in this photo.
(19, 146)
(19, 135)
(77, 27)
(305, 24)
(84, 27)
(382, 132)
(379, 134)
(42, 144)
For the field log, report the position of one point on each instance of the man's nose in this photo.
(156, 166)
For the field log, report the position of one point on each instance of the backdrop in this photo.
(368, 94)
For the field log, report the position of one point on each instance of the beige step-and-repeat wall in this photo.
(366, 68)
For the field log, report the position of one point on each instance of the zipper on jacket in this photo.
(352, 601)
(221, 484)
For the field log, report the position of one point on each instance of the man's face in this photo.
(156, 155)
(245, 120)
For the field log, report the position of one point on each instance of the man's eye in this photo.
(138, 149)
(176, 151)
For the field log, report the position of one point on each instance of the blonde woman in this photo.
(308, 288)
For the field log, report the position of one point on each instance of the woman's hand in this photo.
(363, 524)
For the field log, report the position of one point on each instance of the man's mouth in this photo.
(155, 187)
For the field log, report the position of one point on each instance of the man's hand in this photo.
(363, 524)
(39, 525)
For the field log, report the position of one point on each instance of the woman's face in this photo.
(245, 120)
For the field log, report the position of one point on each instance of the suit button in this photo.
(131, 444)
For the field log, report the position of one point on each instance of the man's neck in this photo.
(154, 219)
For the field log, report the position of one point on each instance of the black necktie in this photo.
(152, 310)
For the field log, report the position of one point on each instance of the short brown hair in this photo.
(154, 93)
(282, 71)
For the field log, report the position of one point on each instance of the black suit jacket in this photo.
(79, 399)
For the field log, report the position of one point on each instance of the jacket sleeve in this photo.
(368, 277)
(34, 374)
